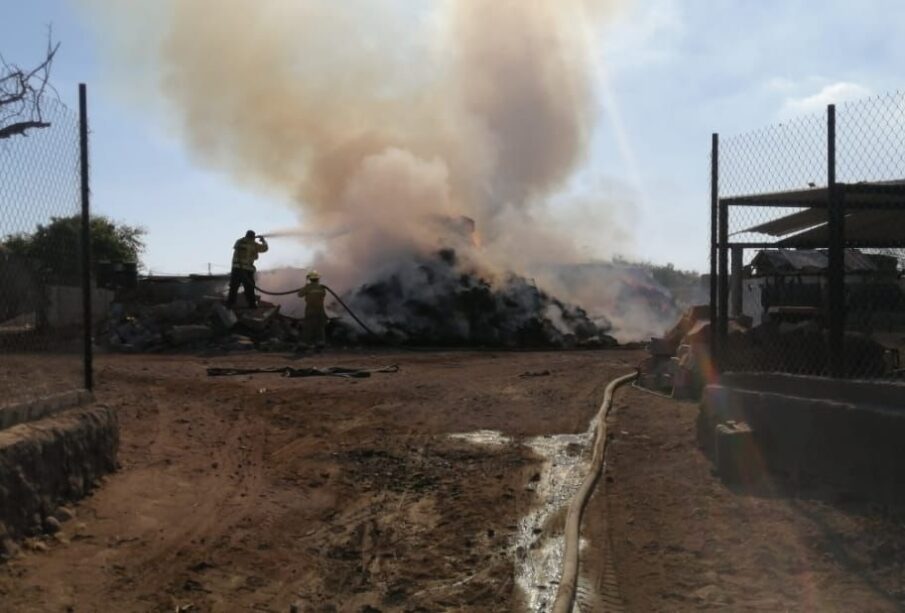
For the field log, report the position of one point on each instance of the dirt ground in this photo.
(683, 541)
(255, 492)
(26, 377)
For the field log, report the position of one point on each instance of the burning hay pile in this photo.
(438, 300)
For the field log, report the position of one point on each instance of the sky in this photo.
(670, 73)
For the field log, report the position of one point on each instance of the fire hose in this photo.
(565, 595)
(338, 299)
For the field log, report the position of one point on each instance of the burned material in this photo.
(198, 324)
(440, 299)
(678, 360)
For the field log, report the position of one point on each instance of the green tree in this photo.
(55, 247)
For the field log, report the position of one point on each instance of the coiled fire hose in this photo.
(565, 594)
(338, 299)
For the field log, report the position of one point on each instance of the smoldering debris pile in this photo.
(198, 324)
(434, 300)
(678, 360)
(634, 302)
(441, 300)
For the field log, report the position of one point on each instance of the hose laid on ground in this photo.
(338, 299)
(565, 594)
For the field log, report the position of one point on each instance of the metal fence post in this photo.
(86, 239)
(723, 319)
(836, 264)
(737, 288)
(714, 203)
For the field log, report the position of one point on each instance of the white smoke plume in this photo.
(389, 123)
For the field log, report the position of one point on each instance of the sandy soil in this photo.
(29, 376)
(254, 492)
(684, 541)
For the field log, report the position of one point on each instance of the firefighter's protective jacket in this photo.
(245, 252)
(314, 294)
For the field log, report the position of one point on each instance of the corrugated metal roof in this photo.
(865, 193)
(786, 261)
(863, 226)
(795, 222)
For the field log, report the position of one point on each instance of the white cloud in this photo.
(833, 93)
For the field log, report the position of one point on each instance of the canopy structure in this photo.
(772, 262)
(874, 215)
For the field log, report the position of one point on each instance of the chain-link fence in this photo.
(808, 244)
(42, 338)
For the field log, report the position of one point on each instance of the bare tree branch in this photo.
(22, 93)
(14, 129)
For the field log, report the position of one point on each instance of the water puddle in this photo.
(483, 438)
(536, 548)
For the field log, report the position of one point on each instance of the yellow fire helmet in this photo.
(314, 276)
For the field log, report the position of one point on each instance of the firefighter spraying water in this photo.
(314, 293)
(245, 252)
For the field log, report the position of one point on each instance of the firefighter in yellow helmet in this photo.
(245, 252)
(315, 324)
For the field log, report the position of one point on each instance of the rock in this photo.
(9, 548)
(36, 523)
(239, 343)
(738, 459)
(132, 336)
(52, 525)
(175, 312)
(36, 545)
(225, 316)
(182, 335)
(64, 514)
(258, 319)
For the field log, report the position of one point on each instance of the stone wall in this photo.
(813, 432)
(49, 462)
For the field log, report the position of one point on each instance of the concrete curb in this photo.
(807, 434)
